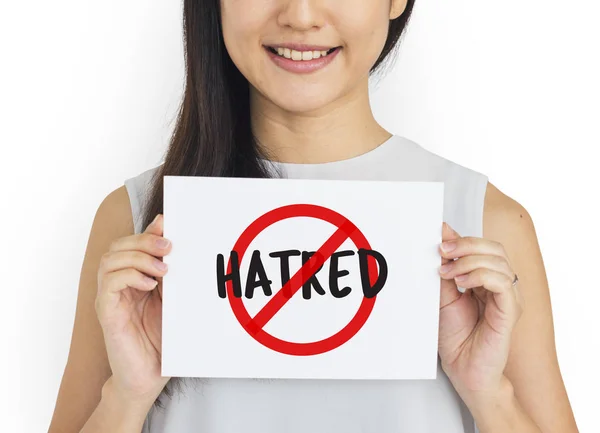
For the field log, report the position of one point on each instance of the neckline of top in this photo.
(367, 155)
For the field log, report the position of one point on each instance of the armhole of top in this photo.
(480, 190)
(130, 185)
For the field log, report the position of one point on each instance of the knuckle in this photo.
(98, 305)
(483, 277)
(137, 256)
(145, 261)
(113, 245)
(501, 263)
(501, 249)
(103, 283)
(150, 239)
(103, 260)
(131, 275)
(471, 243)
(480, 273)
(467, 263)
(149, 243)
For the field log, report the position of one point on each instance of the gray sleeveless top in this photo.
(332, 406)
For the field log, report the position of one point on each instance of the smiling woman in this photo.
(279, 88)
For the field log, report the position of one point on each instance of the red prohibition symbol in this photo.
(254, 326)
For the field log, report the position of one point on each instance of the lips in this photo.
(305, 64)
(302, 47)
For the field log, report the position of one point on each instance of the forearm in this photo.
(116, 414)
(500, 412)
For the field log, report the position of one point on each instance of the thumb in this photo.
(448, 289)
(448, 234)
(156, 226)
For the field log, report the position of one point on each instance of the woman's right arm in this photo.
(112, 374)
(116, 413)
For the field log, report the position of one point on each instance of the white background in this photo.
(88, 92)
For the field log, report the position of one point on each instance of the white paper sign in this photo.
(242, 298)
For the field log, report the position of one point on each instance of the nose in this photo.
(301, 14)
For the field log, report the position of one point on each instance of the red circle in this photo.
(270, 341)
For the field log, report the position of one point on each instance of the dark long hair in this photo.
(212, 135)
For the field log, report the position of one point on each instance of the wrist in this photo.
(117, 413)
(498, 410)
(485, 401)
(118, 401)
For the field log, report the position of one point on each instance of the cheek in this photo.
(242, 25)
(364, 32)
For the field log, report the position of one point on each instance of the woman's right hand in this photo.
(129, 308)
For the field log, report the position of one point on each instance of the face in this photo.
(307, 31)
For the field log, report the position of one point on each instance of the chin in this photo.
(301, 101)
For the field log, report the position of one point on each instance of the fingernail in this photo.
(150, 281)
(162, 266)
(445, 268)
(448, 246)
(162, 243)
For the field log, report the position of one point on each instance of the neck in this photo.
(342, 130)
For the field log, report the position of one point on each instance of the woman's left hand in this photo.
(476, 326)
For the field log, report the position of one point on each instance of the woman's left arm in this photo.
(532, 367)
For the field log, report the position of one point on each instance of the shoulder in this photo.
(501, 213)
(114, 217)
(505, 219)
(119, 209)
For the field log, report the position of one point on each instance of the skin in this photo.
(319, 117)
(497, 348)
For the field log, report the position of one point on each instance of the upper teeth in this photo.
(300, 55)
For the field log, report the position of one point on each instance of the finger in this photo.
(467, 264)
(449, 292)
(132, 278)
(481, 295)
(139, 260)
(448, 234)
(109, 294)
(156, 226)
(150, 241)
(471, 245)
(496, 282)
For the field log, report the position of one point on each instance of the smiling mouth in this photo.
(300, 55)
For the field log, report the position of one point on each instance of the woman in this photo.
(283, 84)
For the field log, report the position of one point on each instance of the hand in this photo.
(129, 308)
(476, 326)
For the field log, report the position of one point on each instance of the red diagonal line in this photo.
(304, 273)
